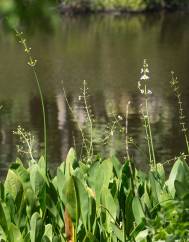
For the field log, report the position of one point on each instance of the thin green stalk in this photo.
(124, 226)
(175, 85)
(182, 117)
(142, 86)
(32, 63)
(147, 137)
(89, 119)
(126, 131)
(150, 132)
(79, 127)
(44, 115)
(187, 144)
(110, 214)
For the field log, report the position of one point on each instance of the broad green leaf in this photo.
(27, 237)
(92, 212)
(36, 179)
(10, 205)
(155, 188)
(61, 178)
(158, 189)
(116, 165)
(58, 239)
(141, 237)
(172, 177)
(137, 210)
(52, 199)
(83, 200)
(69, 198)
(48, 235)
(182, 181)
(21, 172)
(4, 219)
(30, 197)
(45, 239)
(15, 234)
(99, 177)
(2, 191)
(37, 228)
(107, 167)
(90, 238)
(70, 162)
(118, 232)
(161, 172)
(42, 166)
(13, 184)
(109, 207)
(96, 180)
(129, 217)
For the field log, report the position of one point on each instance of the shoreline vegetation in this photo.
(93, 198)
(116, 7)
(46, 13)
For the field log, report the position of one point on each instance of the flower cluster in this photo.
(175, 85)
(27, 142)
(32, 62)
(144, 77)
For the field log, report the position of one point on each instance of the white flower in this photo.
(149, 92)
(144, 77)
(142, 91)
(119, 117)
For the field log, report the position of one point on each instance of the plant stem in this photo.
(89, 118)
(126, 131)
(80, 129)
(147, 137)
(150, 132)
(187, 144)
(32, 63)
(44, 115)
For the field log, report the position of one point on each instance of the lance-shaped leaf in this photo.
(37, 228)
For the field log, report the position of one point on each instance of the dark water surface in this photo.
(107, 52)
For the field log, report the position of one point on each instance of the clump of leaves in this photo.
(103, 201)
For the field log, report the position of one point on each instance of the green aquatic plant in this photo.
(176, 89)
(84, 97)
(27, 143)
(87, 143)
(88, 128)
(32, 64)
(99, 200)
(103, 201)
(127, 138)
(146, 92)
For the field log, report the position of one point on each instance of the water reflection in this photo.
(107, 52)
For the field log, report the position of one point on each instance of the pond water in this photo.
(107, 52)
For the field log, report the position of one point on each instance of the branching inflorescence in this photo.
(27, 143)
(143, 88)
(32, 63)
(175, 85)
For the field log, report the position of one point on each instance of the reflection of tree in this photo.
(64, 125)
(107, 52)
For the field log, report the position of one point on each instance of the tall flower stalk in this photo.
(32, 63)
(146, 92)
(175, 85)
